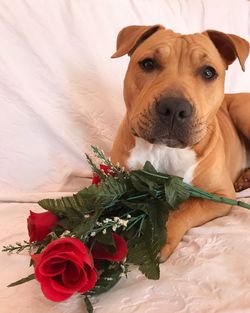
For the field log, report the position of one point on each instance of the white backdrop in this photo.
(59, 90)
(59, 93)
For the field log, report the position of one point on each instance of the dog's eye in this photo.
(147, 65)
(208, 73)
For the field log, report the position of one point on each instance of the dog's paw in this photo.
(176, 228)
(165, 253)
(243, 181)
(169, 247)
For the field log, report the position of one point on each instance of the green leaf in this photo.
(92, 196)
(66, 206)
(61, 225)
(158, 214)
(85, 200)
(142, 181)
(138, 184)
(86, 227)
(136, 206)
(148, 167)
(107, 280)
(22, 281)
(143, 251)
(89, 305)
(113, 188)
(175, 192)
(104, 194)
(149, 172)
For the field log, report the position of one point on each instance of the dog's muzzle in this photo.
(172, 122)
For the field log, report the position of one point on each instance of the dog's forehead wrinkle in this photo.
(182, 49)
(196, 52)
(162, 53)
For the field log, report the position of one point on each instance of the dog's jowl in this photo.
(179, 118)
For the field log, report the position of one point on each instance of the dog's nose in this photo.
(174, 109)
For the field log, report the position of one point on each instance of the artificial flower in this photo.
(100, 252)
(65, 267)
(40, 225)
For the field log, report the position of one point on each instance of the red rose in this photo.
(65, 267)
(106, 169)
(40, 225)
(99, 251)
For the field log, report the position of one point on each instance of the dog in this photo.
(179, 118)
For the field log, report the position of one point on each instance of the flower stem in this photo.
(134, 221)
(198, 193)
(18, 247)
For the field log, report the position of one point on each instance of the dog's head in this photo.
(174, 84)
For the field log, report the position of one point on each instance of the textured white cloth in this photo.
(60, 93)
(208, 272)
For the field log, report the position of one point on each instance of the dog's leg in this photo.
(243, 182)
(192, 213)
(239, 109)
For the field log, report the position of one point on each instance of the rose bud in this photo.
(40, 225)
(99, 251)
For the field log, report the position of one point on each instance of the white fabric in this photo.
(60, 93)
(208, 272)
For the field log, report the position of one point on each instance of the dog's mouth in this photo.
(161, 139)
(188, 138)
(170, 142)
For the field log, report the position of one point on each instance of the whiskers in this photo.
(145, 121)
(199, 128)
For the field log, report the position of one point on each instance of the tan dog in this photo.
(179, 119)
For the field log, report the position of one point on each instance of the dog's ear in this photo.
(230, 46)
(129, 38)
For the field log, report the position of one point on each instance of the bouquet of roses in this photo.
(84, 243)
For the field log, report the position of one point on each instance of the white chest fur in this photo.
(172, 161)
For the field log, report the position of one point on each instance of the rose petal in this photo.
(92, 278)
(58, 285)
(59, 258)
(99, 251)
(65, 245)
(73, 276)
(52, 267)
(53, 294)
